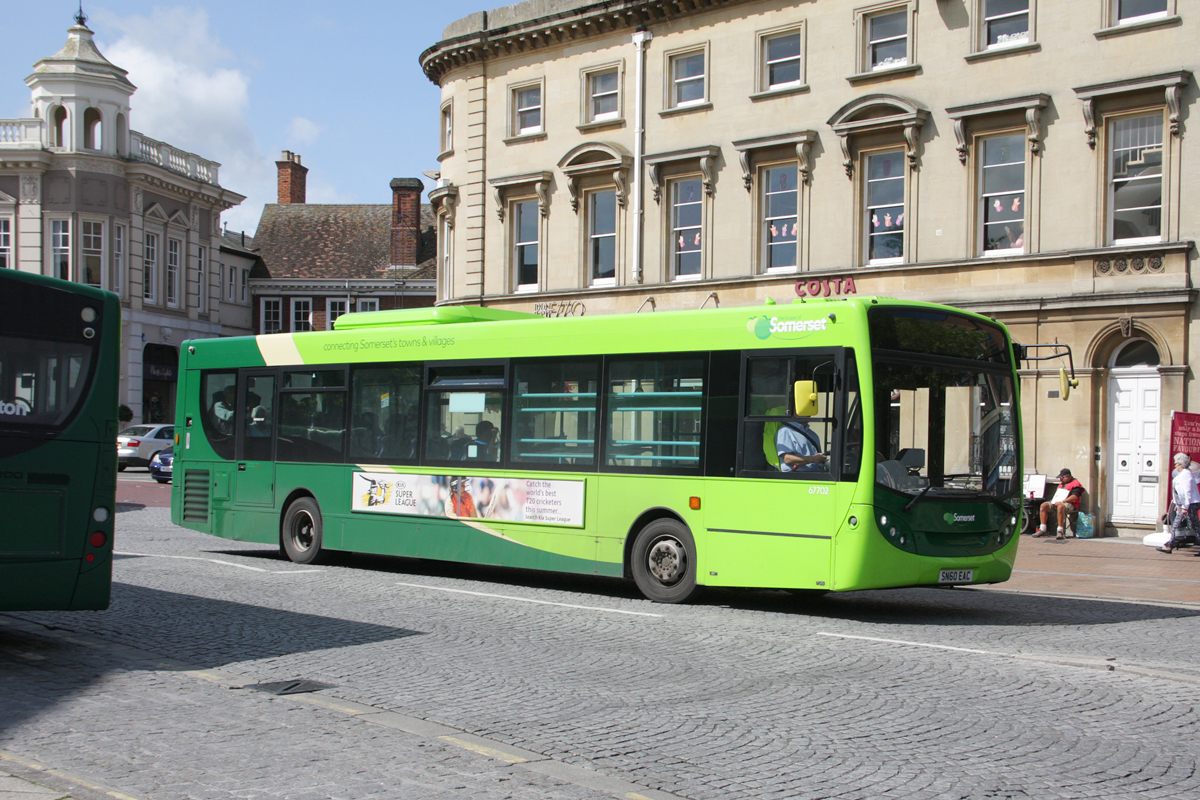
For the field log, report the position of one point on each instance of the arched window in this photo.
(122, 134)
(1136, 353)
(58, 119)
(91, 129)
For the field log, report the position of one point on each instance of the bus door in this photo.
(255, 475)
(773, 524)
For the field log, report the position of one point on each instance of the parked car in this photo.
(137, 444)
(160, 465)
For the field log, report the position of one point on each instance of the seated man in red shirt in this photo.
(1070, 503)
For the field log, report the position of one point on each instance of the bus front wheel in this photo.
(664, 562)
(302, 531)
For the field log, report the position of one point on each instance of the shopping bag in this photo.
(1084, 527)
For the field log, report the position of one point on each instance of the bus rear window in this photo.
(41, 381)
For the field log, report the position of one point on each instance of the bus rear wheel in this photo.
(302, 531)
(664, 562)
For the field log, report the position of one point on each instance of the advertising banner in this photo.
(556, 502)
(1185, 435)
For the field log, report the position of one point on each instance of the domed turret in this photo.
(82, 96)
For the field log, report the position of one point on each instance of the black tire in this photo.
(121, 467)
(163, 480)
(664, 561)
(302, 529)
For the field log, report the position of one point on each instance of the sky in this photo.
(237, 82)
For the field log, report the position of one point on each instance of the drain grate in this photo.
(291, 687)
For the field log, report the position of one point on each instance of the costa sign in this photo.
(825, 287)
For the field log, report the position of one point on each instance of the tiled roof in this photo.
(305, 240)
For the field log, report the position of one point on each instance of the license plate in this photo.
(956, 576)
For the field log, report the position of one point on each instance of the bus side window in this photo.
(384, 407)
(218, 397)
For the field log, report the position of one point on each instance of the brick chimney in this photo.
(406, 221)
(291, 178)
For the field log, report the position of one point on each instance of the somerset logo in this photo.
(950, 517)
(12, 410)
(764, 326)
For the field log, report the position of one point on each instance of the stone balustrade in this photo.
(28, 134)
(21, 133)
(143, 148)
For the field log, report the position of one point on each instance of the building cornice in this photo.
(514, 34)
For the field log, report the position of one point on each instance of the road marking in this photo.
(490, 752)
(218, 561)
(1107, 577)
(530, 600)
(913, 644)
(31, 766)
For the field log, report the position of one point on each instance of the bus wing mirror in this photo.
(805, 393)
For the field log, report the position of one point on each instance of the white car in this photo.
(137, 444)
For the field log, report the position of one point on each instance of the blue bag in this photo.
(1084, 527)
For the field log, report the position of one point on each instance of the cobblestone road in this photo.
(452, 681)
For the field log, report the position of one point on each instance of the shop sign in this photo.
(560, 308)
(825, 287)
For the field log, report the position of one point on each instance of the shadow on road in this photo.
(49, 657)
(928, 605)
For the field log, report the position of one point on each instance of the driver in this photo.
(799, 447)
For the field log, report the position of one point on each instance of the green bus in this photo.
(825, 445)
(59, 367)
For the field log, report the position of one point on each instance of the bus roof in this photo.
(441, 334)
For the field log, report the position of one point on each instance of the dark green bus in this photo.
(59, 368)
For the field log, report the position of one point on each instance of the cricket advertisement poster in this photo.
(545, 502)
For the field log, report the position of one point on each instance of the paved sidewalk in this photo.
(1111, 568)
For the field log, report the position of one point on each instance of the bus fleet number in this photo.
(818, 490)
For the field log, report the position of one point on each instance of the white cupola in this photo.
(82, 97)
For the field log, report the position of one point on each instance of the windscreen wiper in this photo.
(920, 496)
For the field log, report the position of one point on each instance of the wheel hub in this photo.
(302, 532)
(666, 560)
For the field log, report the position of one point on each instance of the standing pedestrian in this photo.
(1185, 499)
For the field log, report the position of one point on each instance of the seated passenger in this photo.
(484, 445)
(223, 410)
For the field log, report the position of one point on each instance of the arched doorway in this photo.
(1134, 433)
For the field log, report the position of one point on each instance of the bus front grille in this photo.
(195, 495)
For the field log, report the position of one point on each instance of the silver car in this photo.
(137, 444)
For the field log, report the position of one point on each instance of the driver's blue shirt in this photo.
(798, 439)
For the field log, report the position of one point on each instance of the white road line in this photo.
(913, 644)
(529, 600)
(219, 561)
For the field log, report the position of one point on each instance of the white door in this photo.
(1134, 467)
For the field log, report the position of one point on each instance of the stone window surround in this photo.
(1032, 105)
(511, 124)
(1114, 27)
(586, 122)
(979, 49)
(862, 16)
(669, 107)
(762, 90)
(909, 118)
(1170, 82)
(705, 157)
(446, 132)
(509, 185)
(615, 162)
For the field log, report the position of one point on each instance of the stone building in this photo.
(85, 198)
(319, 261)
(1018, 158)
